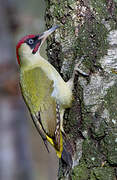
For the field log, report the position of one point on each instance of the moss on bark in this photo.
(85, 34)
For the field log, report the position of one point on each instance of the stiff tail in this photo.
(67, 152)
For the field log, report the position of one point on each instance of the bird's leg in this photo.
(76, 72)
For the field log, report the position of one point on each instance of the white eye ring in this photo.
(30, 41)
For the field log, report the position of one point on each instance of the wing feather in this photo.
(37, 89)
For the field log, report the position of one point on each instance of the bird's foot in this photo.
(76, 72)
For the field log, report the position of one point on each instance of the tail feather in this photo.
(67, 152)
(66, 158)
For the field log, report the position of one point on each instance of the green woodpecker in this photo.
(45, 92)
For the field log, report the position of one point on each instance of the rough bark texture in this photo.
(88, 33)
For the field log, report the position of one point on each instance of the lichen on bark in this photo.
(88, 34)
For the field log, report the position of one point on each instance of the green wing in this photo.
(37, 89)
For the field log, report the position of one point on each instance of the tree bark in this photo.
(88, 34)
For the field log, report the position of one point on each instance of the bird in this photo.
(45, 92)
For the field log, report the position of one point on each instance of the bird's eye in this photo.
(30, 41)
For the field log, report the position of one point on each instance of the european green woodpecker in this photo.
(44, 91)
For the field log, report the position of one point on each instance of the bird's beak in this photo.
(44, 35)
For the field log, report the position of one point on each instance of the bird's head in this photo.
(30, 45)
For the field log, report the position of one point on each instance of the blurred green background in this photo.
(22, 152)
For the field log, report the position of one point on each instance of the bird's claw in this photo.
(77, 70)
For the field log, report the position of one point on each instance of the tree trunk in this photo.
(88, 34)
